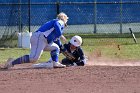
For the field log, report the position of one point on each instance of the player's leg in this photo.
(37, 45)
(67, 62)
(55, 50)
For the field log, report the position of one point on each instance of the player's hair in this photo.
(62, 15)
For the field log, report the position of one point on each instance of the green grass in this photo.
(125, 52)
(108, 47)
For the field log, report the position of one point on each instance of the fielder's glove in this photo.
(68, 55)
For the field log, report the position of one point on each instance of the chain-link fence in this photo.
(84, 17)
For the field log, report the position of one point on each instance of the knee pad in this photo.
(55, 52)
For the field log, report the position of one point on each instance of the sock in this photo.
(21, 60)
(55, 55)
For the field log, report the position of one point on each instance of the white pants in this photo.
(38, 45)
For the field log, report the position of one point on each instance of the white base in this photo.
(43, 65)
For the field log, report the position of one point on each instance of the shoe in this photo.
(58, 65)
(8, 63)
(43, 65)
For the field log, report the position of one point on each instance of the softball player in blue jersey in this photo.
(41, 40)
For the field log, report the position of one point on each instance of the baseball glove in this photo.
(68, 55)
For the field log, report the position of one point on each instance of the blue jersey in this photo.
(58, 42)
(52, 30)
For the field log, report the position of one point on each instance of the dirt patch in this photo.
(88, 79)
(113, 62)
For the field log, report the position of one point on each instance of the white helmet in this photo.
(76, 41)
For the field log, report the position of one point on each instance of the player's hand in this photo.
(63, 38)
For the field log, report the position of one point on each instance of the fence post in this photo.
(58, 6)
(121, 17)
(29, 15)
(95, 17)
(19, 16)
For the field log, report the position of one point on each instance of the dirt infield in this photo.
(88, 79)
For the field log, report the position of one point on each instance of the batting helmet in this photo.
(76, 41)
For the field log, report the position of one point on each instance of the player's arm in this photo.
(58, 42)
(82, 60)
(81, 54)
(65, 52)
(57, 27)
(63, 38)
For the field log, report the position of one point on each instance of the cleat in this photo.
(58, 65)
(8, 63)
